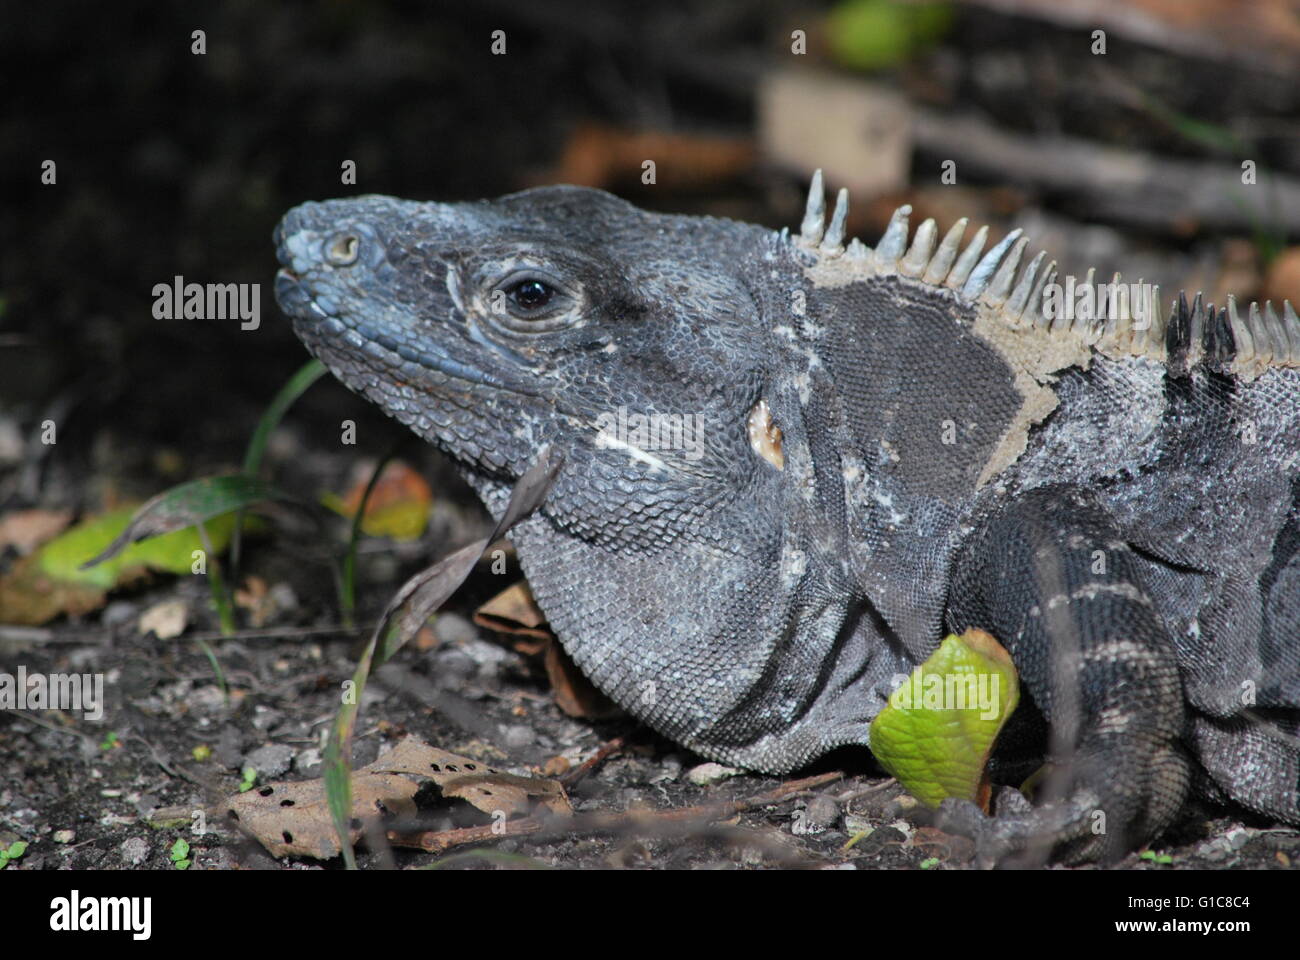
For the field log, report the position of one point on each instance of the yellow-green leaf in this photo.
(182, 507)
(936, 734)
(398, 506)
(63, 556)
(875, 34)
(51, 581)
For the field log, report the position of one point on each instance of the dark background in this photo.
(170, 163)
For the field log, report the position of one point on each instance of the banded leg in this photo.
(1051, 577)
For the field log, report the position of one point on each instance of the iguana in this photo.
(792, 464)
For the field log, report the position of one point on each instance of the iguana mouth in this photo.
(297, 298)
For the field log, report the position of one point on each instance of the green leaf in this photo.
(16, 849)
(875, 34)
(197, 501)
(307, 374)
(936, 734)
(180, 849)
(62, 557)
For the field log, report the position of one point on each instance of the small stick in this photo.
(438, 841)
(580, 772)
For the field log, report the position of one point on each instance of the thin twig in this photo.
(580, 773)
(611, 822)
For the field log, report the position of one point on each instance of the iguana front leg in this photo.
(1051, 577)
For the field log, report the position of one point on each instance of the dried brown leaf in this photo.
(574, 693)
(513, 610)
(293, 818)
(484, 787)
(25, 530)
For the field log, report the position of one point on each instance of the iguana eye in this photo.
(531, 295)
(530, 301)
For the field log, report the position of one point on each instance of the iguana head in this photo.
(557, 315)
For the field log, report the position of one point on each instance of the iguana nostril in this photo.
(341, 249)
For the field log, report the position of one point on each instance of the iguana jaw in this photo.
(298, 297)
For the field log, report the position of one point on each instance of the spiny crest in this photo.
(1221, 338)
(1229, 341)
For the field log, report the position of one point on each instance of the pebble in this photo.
(822, 812)
(452, 629)
(134, 851)
(11, 442)
(285, 600)
(228, 747)
(670, 769)
(453, 669)
(519, 736)
(707, 773)
(270, 761)
(308, 762)
(264, 717)
(1238, 837)
(903, 827)
(118, 612)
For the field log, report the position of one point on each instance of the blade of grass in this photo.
(224, 612)
(348, 587)
(216, 583)
(337, 761)
(308, 374)
(297, 385)
(426, 592)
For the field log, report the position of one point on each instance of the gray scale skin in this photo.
(761, 615)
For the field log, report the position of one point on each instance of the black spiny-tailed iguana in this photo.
(873, 447)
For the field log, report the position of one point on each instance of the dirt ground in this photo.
(118, 793)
